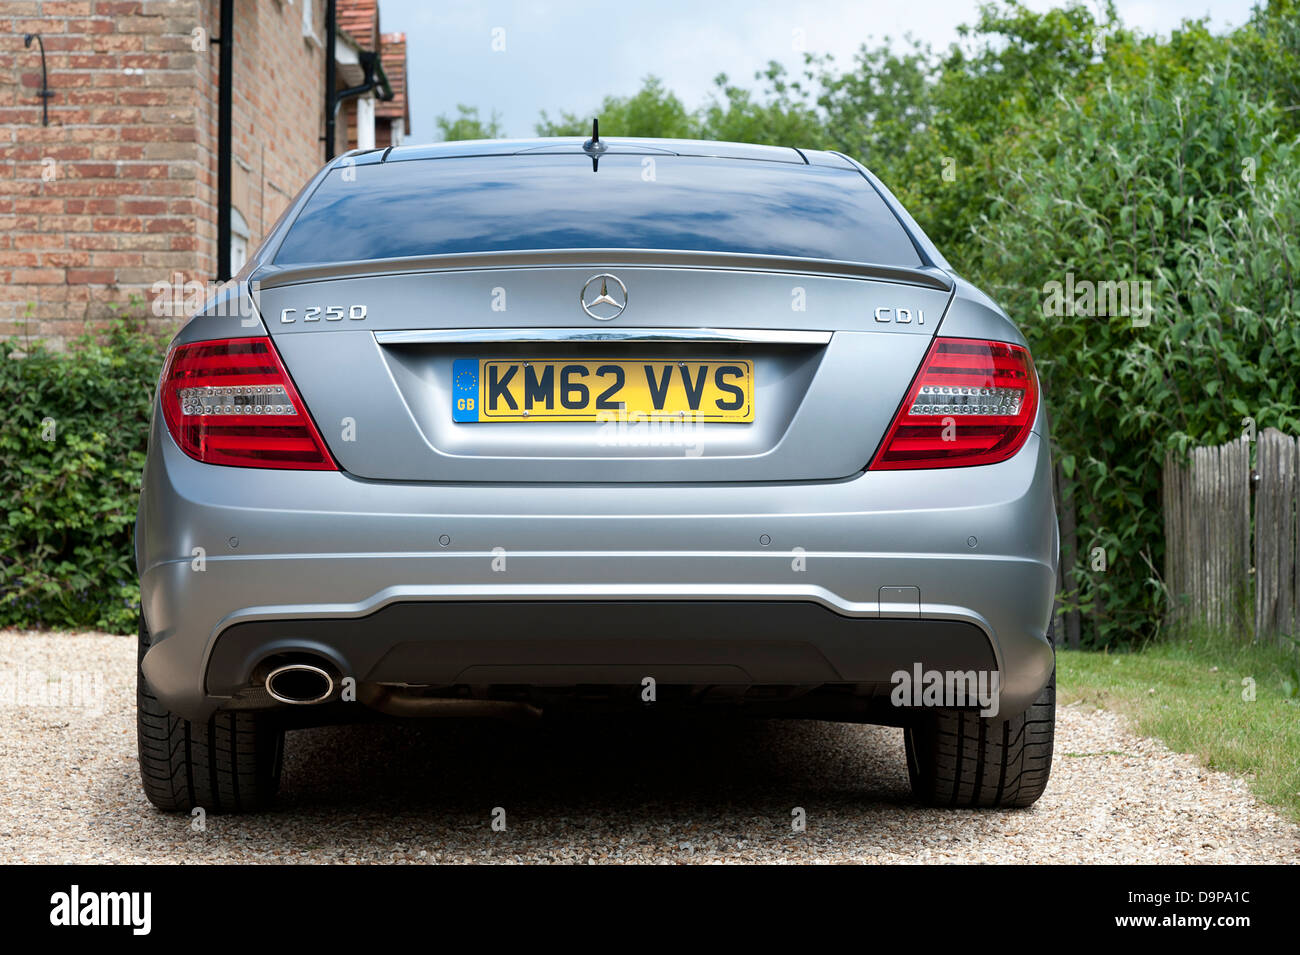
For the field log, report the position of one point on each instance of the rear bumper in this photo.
(797, 584)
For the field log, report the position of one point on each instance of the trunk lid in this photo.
(827, 352)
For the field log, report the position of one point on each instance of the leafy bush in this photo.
(71, 455)
(1057, 142)
(1183, 186)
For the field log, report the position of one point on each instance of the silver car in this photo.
(501, 428)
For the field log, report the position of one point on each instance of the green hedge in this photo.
(71, 454)
(1186, 186)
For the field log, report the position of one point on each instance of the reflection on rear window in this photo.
(508, 203)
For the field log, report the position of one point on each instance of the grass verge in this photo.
(1192, 693)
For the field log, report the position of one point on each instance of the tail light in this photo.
(973, 402)
(231, 402)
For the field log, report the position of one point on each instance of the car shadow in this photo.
(570, 782)
(606, 762)
(595, 788)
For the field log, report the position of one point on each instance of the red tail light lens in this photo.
(973, 402)
(231, 402)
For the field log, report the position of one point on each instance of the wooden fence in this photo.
(1209, 532)
(1277, 537)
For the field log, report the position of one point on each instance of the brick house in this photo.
(123, 189)
(373, 121)
(393, 117)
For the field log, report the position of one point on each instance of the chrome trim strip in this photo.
(584, 334)
(675, 592)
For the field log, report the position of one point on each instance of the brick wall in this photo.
(277, 114)
(395, 114)
(119, 192)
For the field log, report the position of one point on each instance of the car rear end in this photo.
(498, 428)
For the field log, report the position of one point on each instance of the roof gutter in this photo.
(375, 79)
(225, 137)
(330, 29)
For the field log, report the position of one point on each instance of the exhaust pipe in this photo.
(300, 684)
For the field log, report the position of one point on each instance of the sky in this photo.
(519, 58)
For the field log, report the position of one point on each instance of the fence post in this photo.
(1177, 558)
(1277, 536)
(1067, 621)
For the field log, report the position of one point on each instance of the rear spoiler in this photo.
(271, 276)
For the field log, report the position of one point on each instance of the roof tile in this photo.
(359, 19)
(393, 57)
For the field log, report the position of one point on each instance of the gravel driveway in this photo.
(589, 790)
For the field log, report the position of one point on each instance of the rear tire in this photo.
(230, 763)
(959, 758)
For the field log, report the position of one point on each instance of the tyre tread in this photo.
(230, 763)
(958, 758)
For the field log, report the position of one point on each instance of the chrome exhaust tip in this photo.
(300, 684)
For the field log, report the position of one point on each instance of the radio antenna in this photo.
(594, 147)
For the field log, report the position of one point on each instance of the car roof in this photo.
(614, 145)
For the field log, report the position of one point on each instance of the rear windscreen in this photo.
(517, 203)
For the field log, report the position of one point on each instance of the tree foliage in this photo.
(467, 124)
(1061, 143)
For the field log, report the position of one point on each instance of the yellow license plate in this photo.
(584, 389)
